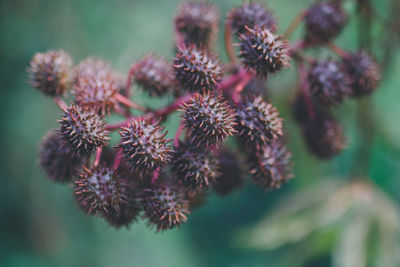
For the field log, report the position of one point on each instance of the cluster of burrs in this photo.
(326, 83)
(227, 131)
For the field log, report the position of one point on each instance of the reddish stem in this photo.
(305, 90)
(172, 107)
(61, 104)
(98, 156)
(156, 174)
(122, 99)
(230, 51)
(229, 82)
(294, 24)
(117, 160)
(178, 133)
(240, 86)
(338, 51)
(129, 79)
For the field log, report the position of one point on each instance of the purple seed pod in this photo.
(50, 72)
(83, 130)
(263, 51)
(196, 69)
(144, 146)
(252, 15)
(209, 119)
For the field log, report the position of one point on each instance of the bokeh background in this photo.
(323, 217)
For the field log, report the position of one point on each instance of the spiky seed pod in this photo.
(230, 177)
(271, 166)
(144, 145)
(258, 121)
(97, 93)
(154, 75)
(363, 72)
(83, 129)
(323, 22)
(252, 15)
(56, 160)
(50, 72)
(324, 136)
(328, 82)
(197, 23)
(100, 190)
(194, 167)
(165, 206)
(209, 119)
(196, 69)
(263, 51)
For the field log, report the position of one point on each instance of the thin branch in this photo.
(178, 133)
(117, 159)
(294, 24)
(172, 107)
(98, 156)
(61, 104)
(338, 51)
(304, 87)
(229, 49)
(123, 100)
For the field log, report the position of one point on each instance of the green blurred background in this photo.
(39, 222)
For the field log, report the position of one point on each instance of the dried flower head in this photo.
(50, 72)
(258, 121)
(83, 129)
(328, 82)
(323, 22)
(208, 118)
(363, 72)
(197, 23)
(194, 167)
(271, 165)
(230, 177)
(263, 51)
(154, 75)
(100, 190)
(324, 136)
(56, 160)
(252, 15)
(144, 145)
(97, 93)
(196, 69)
(165, 206)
